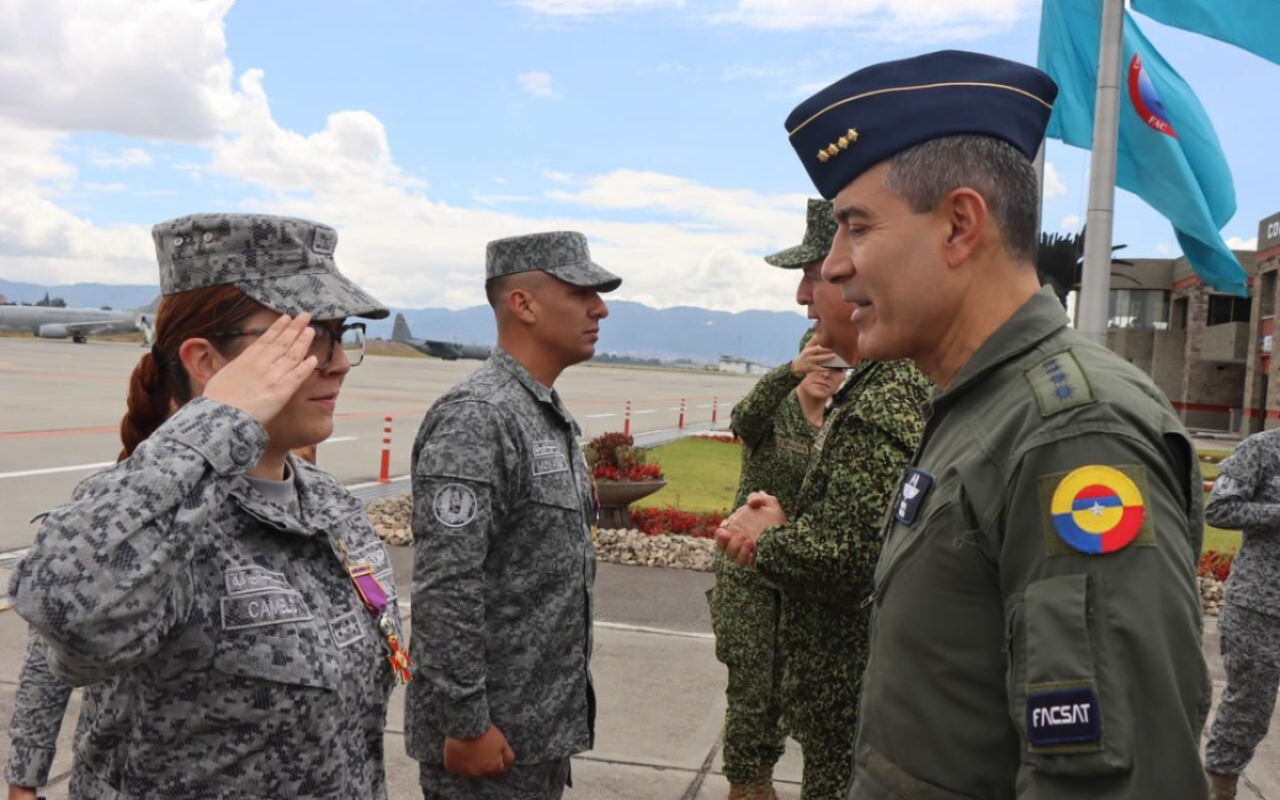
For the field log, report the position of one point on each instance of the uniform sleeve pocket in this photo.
(1069, 722)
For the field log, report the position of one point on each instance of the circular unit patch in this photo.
(1098, 510)
(454, 505)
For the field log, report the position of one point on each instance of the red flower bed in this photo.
(655, 521)
(1215, 564)
(614, 457)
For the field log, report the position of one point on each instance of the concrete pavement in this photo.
(661, 695)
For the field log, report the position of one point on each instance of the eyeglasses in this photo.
(350, 336)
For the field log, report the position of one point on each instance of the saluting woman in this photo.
(228, 606)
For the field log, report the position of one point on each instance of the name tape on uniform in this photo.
(265, 608)
(548, 458)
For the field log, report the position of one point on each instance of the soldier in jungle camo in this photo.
(821, 556)
(777, 423)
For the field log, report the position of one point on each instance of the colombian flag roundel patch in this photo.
(1097, 510)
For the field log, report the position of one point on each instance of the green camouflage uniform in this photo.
(824, 557)
(776, 440)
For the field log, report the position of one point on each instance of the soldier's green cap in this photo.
(562, 254)
(284, 263)
(819, 232)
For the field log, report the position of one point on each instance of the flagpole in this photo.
(1095, 283)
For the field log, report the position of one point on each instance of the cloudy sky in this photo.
(423, 128)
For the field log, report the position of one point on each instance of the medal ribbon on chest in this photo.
(374, 597)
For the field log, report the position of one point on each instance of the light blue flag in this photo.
(1253, 25)
(1168, 152)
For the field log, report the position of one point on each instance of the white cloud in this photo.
(1053, 184)
(1236, 243)
(1070, 222)
(501, 181)
(129, 157)
(150, 68)
(105, 187)
(407, 248)
(537, 84)
(580, 8)
(896, 20)
(1164, 249)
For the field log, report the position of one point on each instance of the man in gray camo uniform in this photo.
(503, 506)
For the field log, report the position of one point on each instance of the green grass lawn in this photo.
(702, 476)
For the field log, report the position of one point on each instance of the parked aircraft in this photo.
(449, 351)
(78, 323)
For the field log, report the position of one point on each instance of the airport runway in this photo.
(61, 403)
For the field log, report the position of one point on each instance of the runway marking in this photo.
(338, 439)
(60, 432)
(52, 470)
(705, 405)
(646, 411)
(598, 416)
(367, 484)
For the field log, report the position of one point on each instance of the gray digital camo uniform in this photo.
(503, 571)
(235, 658)
(1246, 496)
(38, 709)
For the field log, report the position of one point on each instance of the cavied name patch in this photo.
(1063, 717)
(263, 608)
(548, 458)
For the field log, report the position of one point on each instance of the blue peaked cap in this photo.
(879, 111)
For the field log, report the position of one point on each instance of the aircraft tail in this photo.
(401, 332)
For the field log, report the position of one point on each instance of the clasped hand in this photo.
(737, 535)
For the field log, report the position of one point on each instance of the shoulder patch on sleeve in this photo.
(454, 505)
(1095, 510)
(1059, 383)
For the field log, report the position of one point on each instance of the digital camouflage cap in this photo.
(819, 232)
(562, 254)
(284, 263)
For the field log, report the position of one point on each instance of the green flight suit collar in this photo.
(1038, 319)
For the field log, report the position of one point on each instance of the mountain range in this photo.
(632, 329)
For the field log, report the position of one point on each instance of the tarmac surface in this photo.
(660, 689)
(61, 404)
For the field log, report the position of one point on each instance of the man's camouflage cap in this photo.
(286, 264)
(864, 118)
(819, 232)
(563, 254)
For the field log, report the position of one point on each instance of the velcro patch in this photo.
(1063, 717)
(548, 458)
(264, 608)
(346, 629)
(454, 505)
(915, 485)
(249, 580)
(1059, 383)
(1095, 510)
(324, 241)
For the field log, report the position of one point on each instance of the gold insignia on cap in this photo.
(839, 145)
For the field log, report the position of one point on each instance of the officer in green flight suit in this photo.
(1036, 622)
